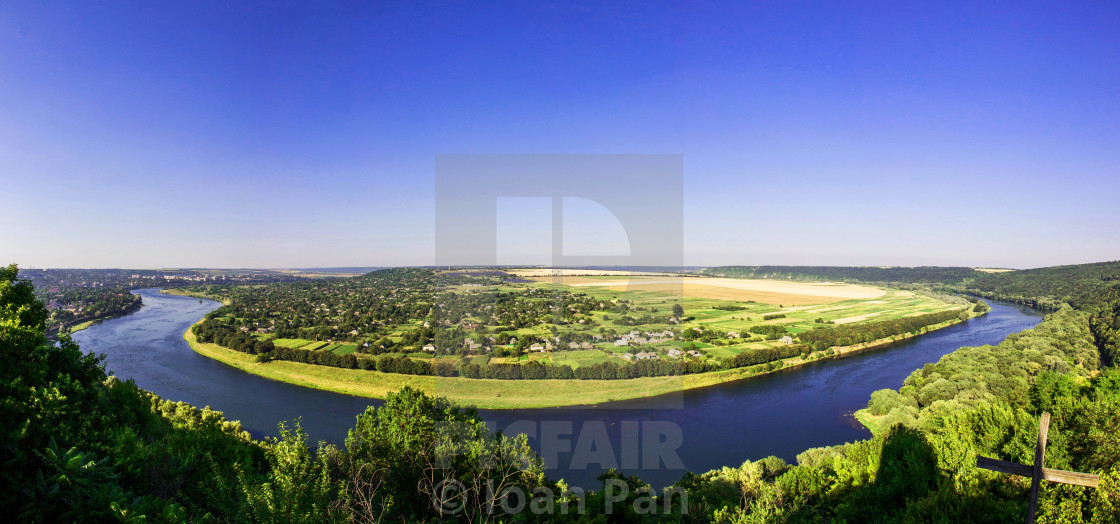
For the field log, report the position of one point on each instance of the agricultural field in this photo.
(311, 345)
(729, 307)
(783, 292)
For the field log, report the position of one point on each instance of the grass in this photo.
(583, 357)
(869, 421)
(78, 327)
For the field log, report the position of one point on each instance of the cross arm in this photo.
(1052, 475)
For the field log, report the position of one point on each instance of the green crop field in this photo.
(345, 349)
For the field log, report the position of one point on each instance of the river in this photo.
(780, 414)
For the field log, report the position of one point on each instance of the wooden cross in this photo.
(1037, 473)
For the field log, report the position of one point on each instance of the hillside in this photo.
(904, 275)
(1049, 287)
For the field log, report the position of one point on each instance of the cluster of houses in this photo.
(633, 338)
(637, 338)
(672, 353)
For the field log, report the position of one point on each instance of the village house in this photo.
(536, 347)
(694, 353)
(429, 348)
(786, 340)
(732, 334)
(621, 342)
(628, 356)
(674, 353)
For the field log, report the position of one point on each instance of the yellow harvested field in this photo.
(765, 291)
(992, 270)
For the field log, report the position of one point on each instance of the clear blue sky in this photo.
(209, 134)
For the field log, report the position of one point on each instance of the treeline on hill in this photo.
(847, 334)
(1104, 323)
(910, 275)
(1049, 287)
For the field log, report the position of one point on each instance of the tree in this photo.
(678, 311)
(47, 391)
(299, 486)
(416, 441)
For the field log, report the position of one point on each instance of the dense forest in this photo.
(79, 445)
(907, 275)
(1049, 287)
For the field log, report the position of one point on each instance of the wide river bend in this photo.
(779, 414)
